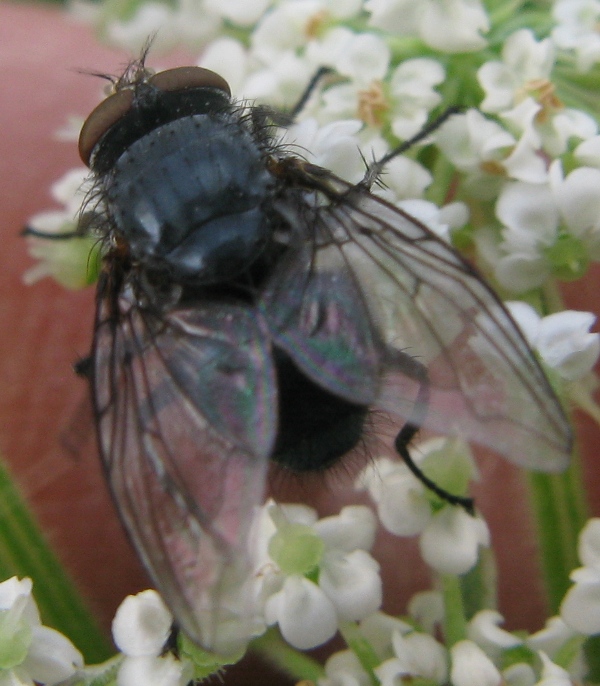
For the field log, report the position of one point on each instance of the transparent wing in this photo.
(395, 312)
(186, 414)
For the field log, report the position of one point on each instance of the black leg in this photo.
(308, 91)
(28, 231)
(375, 168)
(418, 371)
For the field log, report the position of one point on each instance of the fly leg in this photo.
(375, 168)
(419, 372)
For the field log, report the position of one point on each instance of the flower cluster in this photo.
(29, 651)
(316, 577)
(512, 180)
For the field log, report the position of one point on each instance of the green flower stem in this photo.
(25, 552)
(363, 650)
(560, 511)
(455, 621)
(297, 665)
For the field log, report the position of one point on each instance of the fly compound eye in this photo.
(116, 106)
(182, 78)
(102, 117)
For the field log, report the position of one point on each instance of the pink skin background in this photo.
(46, 328)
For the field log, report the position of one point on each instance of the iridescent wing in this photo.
(186, 409)
(379, 310)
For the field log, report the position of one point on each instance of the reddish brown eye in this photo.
(107, 113)
(182, 78)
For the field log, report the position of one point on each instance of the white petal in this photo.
(365, 59)
(242, 12)
(530, 209)
(484, 630)
(471, 666)
(589, 544)
(142, 624)
(403, 507)
(520, 674)
(580, 608)
(521, 272)
(153, 671)
(16, 597)
(565, 344)
(389, 671)
(229, 58)
(588, 152)
(421, 655)
(379, 629)
(305, 615)
(450, 543)
(52, 657)
(552, 637)
(525, 163)
(552, 674)
(526, 318)
(344, 669)
(352, 583)
(427, 609)
(454, 25)
(353, 528)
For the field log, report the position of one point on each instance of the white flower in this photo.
(580, 608)
(400, 17)
(427, 609)
(344, 669)
(142, 624)
(379, 630)
(450, 538)
(305, 615)
(552, 674)
(563, 339)
(453, 25)
(188, 22)
(578, 202)
(552, 639)
(577, 30)
(484, 630)
(334, 146)
(290, 544)
(445, 25)
(140, 630)
(240, 12)
(440, 220)
(531, 217)
(229, 58)
(450, 543)
(31, 652)
(154, 671)
(402, 504)
(520, 89)
(588, 152)
(280, 84)
(488, 153)
(68, 261)
(403, 178)
(524, 61)
(472, 667)
(363, 59)
(412, 95)
(416, 655)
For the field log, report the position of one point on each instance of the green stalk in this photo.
(560, 512)
(24, 551)
(297, 665)
(455, 621)
(363, 650)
